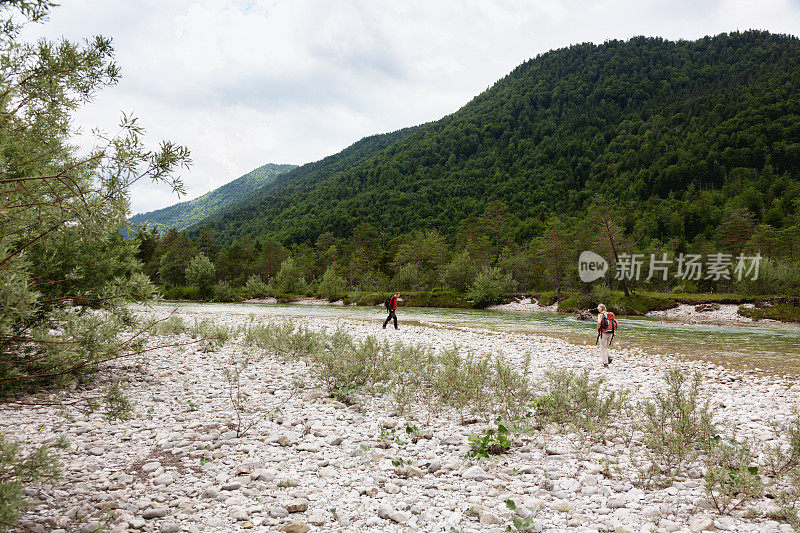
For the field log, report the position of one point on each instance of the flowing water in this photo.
(770, 347)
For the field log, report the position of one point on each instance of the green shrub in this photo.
(784, 312)
(575, 400)
(287, 279)
(677, 427)
(407, 366)
(783, 467)
(511, 391)
(284, 339)
(460, 381)
(17, 470)
(201, 273)
(773, 278)
(223, 292)
(344, 364)
(173, 325)
(578, 302)
(490, 287)
(460, 273)
(731, 480)
(117, 405)
(332, 285)
(210, 331)
(256, 287)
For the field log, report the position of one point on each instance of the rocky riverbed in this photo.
(297, 460)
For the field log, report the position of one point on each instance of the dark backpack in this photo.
(388, 303)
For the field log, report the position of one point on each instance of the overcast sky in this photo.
(248, 82)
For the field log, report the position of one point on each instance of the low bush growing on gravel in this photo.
(462, 382)
(173, 325)
(574, 400)
(410, 367)
(345, 364)
(117, 405)
(731, 480)
(511, 391)
(18, 469)
(208, 330)
(677, 427)
(782, 468)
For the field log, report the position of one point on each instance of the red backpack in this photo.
(609, 322)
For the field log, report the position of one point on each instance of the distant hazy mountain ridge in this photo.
(184, 214)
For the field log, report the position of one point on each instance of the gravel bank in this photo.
(704, 313)
(309, 462)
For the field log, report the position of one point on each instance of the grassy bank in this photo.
(782, 311)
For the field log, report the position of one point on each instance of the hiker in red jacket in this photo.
(606, 327)
(391, 306)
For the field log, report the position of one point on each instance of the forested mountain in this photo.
(248, 218)
(679, 134)
(184, 214)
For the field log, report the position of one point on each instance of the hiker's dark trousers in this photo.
(390, 317)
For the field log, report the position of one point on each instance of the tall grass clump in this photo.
(173, 325)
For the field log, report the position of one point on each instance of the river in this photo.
(768, 347)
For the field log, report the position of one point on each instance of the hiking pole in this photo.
(597, 340)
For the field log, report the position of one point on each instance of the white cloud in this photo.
(248, 82)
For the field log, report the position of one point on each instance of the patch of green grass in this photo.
(784, 312)
(638, 303)
(547, 297)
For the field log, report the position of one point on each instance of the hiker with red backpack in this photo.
(391, 306)
(606, 327)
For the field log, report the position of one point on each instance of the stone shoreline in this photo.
(312, 462)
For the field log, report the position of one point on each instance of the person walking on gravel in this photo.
(391, 306)
(606, 326)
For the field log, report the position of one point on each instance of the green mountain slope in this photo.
(184, 214)
(679, 133)
(246, 218)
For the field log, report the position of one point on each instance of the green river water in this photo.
(770, 347)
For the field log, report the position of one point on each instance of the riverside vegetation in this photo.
(667, 436)
(677, 429)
